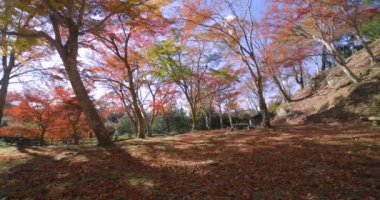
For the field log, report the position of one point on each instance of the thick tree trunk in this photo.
(221, 120)
(148, 124)
(149, 129)
(3, 93)
(92, 117)
(140, 118)
(260, 92)
(141, 126)
(42, 135)
(135, 127)
(69, 54)
(7, 69)
(262, 104)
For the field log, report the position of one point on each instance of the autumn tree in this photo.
(188, 66)
(313, 20)
(16, 52)
(69, 122)
(65, 25)
(124, 41)
(354, 14)
(224, 23)
(162, 95)
(36, 107)
(227, 79)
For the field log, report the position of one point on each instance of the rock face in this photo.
(336, 82)
(282, 112)
(333, 81)
(300, 120)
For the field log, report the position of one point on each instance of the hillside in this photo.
(333, 99)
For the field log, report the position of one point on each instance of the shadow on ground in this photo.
(314, 162)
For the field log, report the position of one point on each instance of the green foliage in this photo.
(125, 126)
(165, 54)
(180, 122)
(372, 29)
(372, 2)
(272, 108)
(158, 125)
(177, 120)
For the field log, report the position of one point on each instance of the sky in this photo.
(259, 7)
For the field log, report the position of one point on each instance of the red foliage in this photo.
(19, 132)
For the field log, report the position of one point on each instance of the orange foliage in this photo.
(53, 115)
(19, 132)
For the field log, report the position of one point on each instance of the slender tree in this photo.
(238, 32)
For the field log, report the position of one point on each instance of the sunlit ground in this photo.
(305, 162)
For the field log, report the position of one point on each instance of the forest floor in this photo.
(302, 162)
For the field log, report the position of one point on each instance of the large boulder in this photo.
(336, 82)
(282, 112)
(300, 120)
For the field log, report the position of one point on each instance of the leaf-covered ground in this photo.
(313, 162)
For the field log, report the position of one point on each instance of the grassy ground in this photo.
(314, 162)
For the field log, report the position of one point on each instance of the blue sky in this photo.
(260, 7)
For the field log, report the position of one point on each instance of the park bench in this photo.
(375, 121)
(240, 126)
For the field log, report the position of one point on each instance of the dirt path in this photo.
(314, 162)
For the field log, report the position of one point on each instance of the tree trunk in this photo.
(262, 104)
(342, 62)
(283, 93)
(140, 118)
(206, 120)
(209, 119)
(372, 57)
(167, 123)
(148, 123)
(220, 116)
(221, 120)
(193, 119)
(42, 135)
(76, 137)
(149, 129)
(315, 59)
(3, 93)
(69, 54)
(7, 69)
(230, 118)
(358, 34)
(343, 65)
(299, 79)
(324, 58)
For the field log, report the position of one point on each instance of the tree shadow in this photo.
(284, 162)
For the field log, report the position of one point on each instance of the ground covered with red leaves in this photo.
(313, 162)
